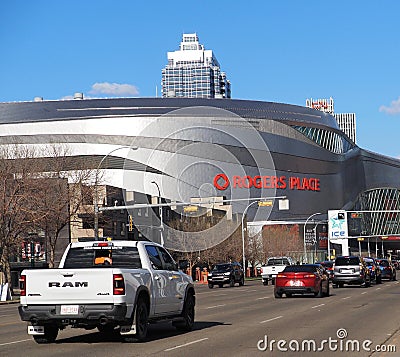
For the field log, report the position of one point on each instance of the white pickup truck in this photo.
(118, 287)
(274, 266)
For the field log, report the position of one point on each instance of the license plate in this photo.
(69, 310)
(35, 330)
(347, 271)
(295, 283)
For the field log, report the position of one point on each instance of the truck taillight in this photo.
(118, 284)
(22, 285)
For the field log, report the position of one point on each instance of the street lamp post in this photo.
(160, 213)
(244, 213)
(264, 201)
(304, 235)
(96, 198)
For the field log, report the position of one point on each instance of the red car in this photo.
(302, 279)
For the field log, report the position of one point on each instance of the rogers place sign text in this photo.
(222, 182)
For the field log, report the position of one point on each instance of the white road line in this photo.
(213, 307)
(186, 344)
(14, 342)
(314, 307)
(265, 297)
(378, 288)
(5, 315)
(363, 293)
(274, 318)
(347, 297)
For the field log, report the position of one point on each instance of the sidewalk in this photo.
(14, 300)
(393, 342)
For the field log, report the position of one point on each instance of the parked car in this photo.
(328, 265)
(387, 269)
(302, 279)
(225, 273)
(374, 270)
(350, 270)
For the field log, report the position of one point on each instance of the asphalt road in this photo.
(243, 321)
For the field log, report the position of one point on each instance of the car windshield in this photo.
(222, 267)
(369, 262)
(300, 268)
(347, 261)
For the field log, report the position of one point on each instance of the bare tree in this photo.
(254, 249)
(17, 177)
(279, 240)
(62, 194)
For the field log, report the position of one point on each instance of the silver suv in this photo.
(350, 270)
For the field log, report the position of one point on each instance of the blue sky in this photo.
(282, 51)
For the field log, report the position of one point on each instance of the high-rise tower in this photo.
(346, 121)
(194, 72)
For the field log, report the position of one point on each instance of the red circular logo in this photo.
(225, 180)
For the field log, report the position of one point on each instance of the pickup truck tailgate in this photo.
(64, 286)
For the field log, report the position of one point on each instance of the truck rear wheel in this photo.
(142, 317)
(187, 314)
(142, 320)
(50, 335)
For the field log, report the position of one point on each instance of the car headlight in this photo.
(227, 273)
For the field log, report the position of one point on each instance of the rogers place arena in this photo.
(235, 150)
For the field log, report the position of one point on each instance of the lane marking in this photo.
(186, 344)
(14, 342)
(363, 293)
(314, 307)
(274, 318)
(265, 297)
(213, 307)
(347, 297)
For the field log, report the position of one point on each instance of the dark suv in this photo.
(387, 269)
(350, 270)
(225, 273)
(375, 272)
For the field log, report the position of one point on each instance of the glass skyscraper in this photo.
(194, 72)
(346, 121)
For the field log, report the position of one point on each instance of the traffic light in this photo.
(130, 223)
(356, 215)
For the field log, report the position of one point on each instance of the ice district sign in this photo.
(337, 224)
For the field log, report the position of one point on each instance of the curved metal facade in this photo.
(260, 149)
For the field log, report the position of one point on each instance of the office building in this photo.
(346, 121)
(194, 72)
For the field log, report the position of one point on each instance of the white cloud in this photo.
(393, 109)
(114, 89)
